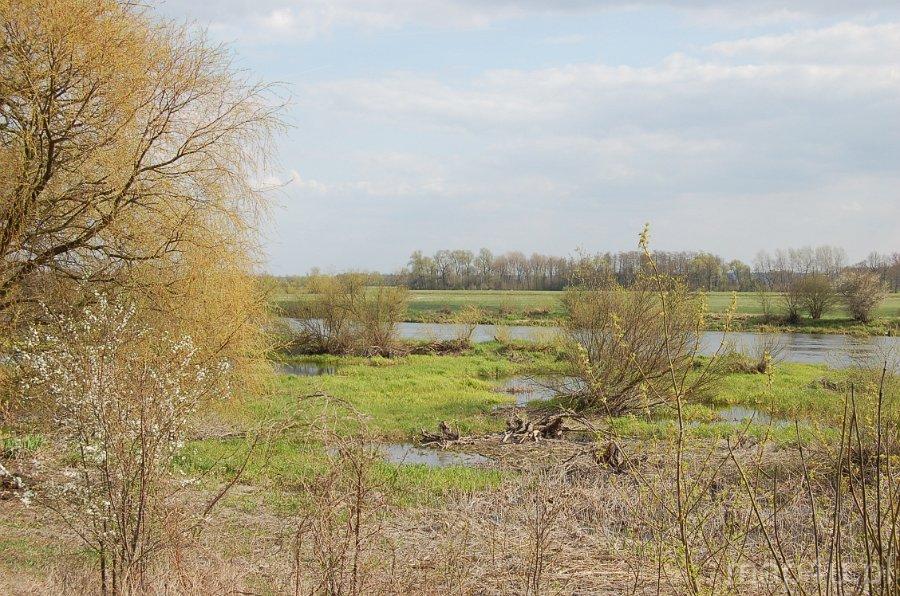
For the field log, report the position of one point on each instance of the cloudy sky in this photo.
(531, 125)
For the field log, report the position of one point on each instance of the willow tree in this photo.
(127, 149)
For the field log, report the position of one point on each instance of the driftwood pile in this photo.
(520, 430)
(444, 436)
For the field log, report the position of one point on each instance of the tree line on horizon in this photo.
(700, 270)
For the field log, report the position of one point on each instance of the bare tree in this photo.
(862, 292)
(816, 293)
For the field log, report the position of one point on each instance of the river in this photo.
(833, 349)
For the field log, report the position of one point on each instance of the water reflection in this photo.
(745, 414)
(530, 389)
(408, 454)
(305, 369)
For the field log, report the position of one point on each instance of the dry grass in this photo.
(562, 523)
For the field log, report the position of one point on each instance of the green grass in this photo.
(12, 445)
(499, 304)
(398, 395)
(394, 399)
(526, 303)
(793, 393)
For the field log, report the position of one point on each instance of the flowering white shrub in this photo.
(121, 395)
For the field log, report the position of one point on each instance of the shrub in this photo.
(862, 292)
(344, 315)
(817, 295)
(375, 318)
(324, 319)
(626, 345)
(121, 395)
(465, 322)
(766, 352)
(792, 299)
(764, 299)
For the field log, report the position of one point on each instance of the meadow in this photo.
(390, 401)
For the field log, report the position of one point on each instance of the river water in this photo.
(806, 348)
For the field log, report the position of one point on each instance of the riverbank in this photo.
(531, 308)
(882, 327)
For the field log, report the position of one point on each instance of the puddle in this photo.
(305, 369)
(529, 389)
(409, 455)
(743, 414)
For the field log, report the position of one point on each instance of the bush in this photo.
(374, 320)
(764, 298)
(344, 315)
(626, 345)
(862, 292)
(121, 396)
(465, 322)
(816, 294)
(792, 299)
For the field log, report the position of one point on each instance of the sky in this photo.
(549, 126)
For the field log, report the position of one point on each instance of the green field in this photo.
(525, 307)
(545, 308)
(521, 302)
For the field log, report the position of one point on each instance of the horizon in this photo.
(574, 255)
(518, 127)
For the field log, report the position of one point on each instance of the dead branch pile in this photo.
(444, 436)
(9, 483)
(521, 429)
(612, 456)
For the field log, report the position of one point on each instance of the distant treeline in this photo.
(466, 270)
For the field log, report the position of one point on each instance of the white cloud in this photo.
(840, 44)
(780, 138)
(301, 20)
(713, 147)
(279, 20)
